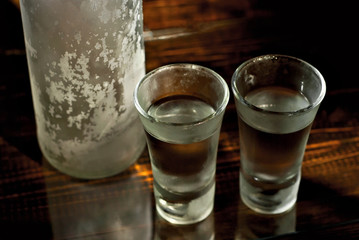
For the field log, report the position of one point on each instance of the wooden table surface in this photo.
(38, 202)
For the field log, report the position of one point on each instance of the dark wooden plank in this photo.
(347, 230)
(163, 14)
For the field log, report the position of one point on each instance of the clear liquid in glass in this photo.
(183, 170)
(271, 161)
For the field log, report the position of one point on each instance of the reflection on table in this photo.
(99, 209)
(203, 230)
(252, 225)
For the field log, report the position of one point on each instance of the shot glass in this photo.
(277, 98)
(181, 107)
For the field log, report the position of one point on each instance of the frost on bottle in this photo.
(85, 58)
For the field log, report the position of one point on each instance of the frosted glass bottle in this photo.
(85, 58)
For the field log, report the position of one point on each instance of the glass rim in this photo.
(219, 110)
(311, 106)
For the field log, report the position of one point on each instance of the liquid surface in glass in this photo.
(277, 99)
(180, 109)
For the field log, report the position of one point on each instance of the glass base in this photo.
(103, 159)
(183, 211)
(269, 198)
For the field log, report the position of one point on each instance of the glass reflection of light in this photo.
(252, 225)
(115, 208)
(203, 230)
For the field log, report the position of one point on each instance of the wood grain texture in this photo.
(46, 204)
